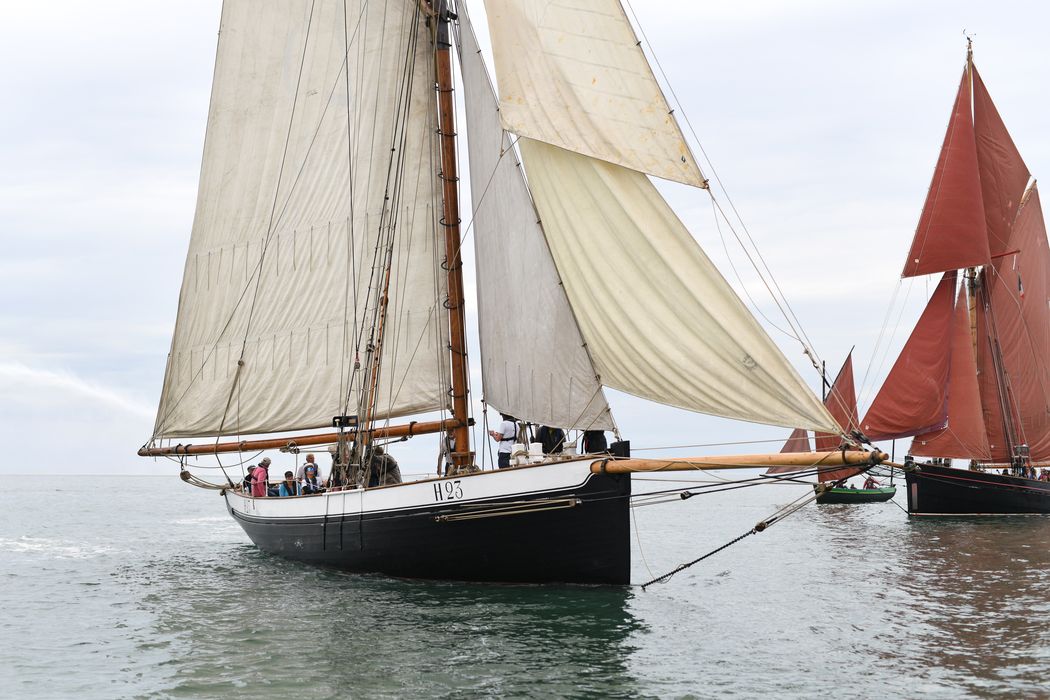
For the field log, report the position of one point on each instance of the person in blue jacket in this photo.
(289, 487)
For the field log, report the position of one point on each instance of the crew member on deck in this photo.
(300, 471)
(870, 483)
(311, 483)
(505, 436)
(552, 439)
(594, 442)
(260, 477)
(384, 469)
(289, 487)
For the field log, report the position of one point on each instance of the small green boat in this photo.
(848, 495)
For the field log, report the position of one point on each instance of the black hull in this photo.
(936, 490)
(849, 496)
(588, 542)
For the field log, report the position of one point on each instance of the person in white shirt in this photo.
(505, 436)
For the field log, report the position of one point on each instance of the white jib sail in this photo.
(659, 320)
(571, 73)
(534, 364)
(283, 248)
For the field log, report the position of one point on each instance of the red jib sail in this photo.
(797, 442)
(1020, 302)
(1003, 173)
(951, 232)
(965, 435)
(842, 405)
(913, 399)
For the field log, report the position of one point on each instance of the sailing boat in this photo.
(973, 380)
(841, 402)
(324, 286)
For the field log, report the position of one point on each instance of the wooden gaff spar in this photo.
(810, 460)
(392, 431)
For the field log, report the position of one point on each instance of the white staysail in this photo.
(534, 363)
(280, 277)
(571, 73)
(659, 320)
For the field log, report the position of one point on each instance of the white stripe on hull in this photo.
(469, 488)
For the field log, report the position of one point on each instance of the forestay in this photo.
(571, 73)
(534, 364)
(283, 248)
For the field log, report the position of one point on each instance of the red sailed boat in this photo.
(973, 380)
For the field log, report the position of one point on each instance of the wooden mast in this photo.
(461, 456)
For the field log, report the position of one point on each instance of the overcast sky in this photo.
(823, 119)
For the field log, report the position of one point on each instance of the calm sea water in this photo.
(143, 587)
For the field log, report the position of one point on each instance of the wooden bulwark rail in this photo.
(407, 430)
(815, 460)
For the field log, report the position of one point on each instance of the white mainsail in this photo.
(572, 74)
(534, 364)
(283, 249)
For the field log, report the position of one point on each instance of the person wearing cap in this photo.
(300, 471)
(248, 479)
(260, 478)
(289, 487)
(311, 483)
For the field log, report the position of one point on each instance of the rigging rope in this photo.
(761, 526)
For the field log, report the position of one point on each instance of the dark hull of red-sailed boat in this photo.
(937, 490)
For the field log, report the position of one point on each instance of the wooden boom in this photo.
(802, 460)
(408, 430)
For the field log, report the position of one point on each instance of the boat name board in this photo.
(448, 491)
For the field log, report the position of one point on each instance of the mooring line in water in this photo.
(787, 510)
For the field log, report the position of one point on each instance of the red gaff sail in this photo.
(913, 399)
(1020, 300)
(1003, 173)
(965, 435)
(987, 379)
(951, 232)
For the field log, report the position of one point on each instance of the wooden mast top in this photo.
(462, 456)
